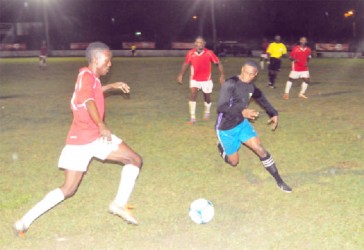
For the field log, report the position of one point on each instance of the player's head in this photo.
(277, 38)
(99, 56)
(303, 41)
(200, 43)
(249, 71)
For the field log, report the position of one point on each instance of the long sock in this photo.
(303, 87)
(262, 64)
(270, 166)
(127, 182)
(207, 107)
(288, 87)
(50, 200)
(192, 106)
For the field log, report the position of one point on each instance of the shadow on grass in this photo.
(332, 94)
(9, 97)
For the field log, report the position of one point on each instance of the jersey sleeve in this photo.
(269, 49)
(85, 88)
(284, 49)
(188, 57)
(293, 52)
(260, 98)
(225, 104)
(214, 59)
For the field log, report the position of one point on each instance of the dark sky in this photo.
(164, 21)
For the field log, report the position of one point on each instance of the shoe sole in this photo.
(286, 191)
(130, 222)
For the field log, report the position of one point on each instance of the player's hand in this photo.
(274, 122)
(250, 114)
(179, 79)
(105, 133)
(222, 79)
(123, 86)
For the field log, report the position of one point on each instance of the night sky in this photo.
(164, 21)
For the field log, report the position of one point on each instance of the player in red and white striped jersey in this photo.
(300, 56)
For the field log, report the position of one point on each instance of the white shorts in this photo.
(206, 86)
(77, 157)
(299, 74)
(264, 56)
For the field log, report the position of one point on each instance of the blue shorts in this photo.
(232, 139)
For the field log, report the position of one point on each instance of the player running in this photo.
(275, 52)
(264, 55)
(300, 56)
(43, 53)
(200, 60)
(89, 137)
(233, 127)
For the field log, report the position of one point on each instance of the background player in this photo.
(89, 137)
(43, 53)
(275, 52)
(300, 56)
(200, 60)
(233, 127)
(264, 55)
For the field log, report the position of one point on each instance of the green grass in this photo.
(318, 147)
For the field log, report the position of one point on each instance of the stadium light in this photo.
(46, 23)
(213, 21)
(351, 13)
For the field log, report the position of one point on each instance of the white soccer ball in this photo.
(201, 211)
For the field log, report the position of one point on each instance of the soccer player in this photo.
(275, 52)
(263, 55)
(233, 127)
(43, 53)
(89, 137)
(300, 56)
(200, 60)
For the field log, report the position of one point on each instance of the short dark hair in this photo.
(252, 63)
(200, 37)
(94, 48)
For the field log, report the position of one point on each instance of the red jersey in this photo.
(265, 47)
(44, 50)
(201, 64)
(83, 129)
(301, 57)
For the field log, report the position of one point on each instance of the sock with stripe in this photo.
(270, 166)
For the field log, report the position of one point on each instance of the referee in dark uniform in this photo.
(233, 127)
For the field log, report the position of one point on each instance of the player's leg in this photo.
(304, 86)
(289, 85)
(256, 146)
(54, 197)
(262, 59)
(272, 72)
(132, 165)
(207, 90)
(192, 101)
(229, 145)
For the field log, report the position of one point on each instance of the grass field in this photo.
(318, 147)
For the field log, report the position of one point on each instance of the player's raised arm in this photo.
(117, 85)
(271, 111)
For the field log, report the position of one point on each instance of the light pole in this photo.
(46, 23)
(351, 14)
(213, 22)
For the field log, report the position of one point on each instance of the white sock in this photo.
(207, 107)
(127, 182)
(192, 106)
(303, 87)
(288, 87)
(50, 200)
(262, 64)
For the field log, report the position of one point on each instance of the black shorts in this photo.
(274, 64)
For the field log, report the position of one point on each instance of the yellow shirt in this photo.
(276, 50)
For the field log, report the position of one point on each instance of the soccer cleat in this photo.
(206, 116)
(271, 85)
(284, 187)
(123, 212)
(192, 121)
(20, 229)
(302, 96)
(285, 96)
